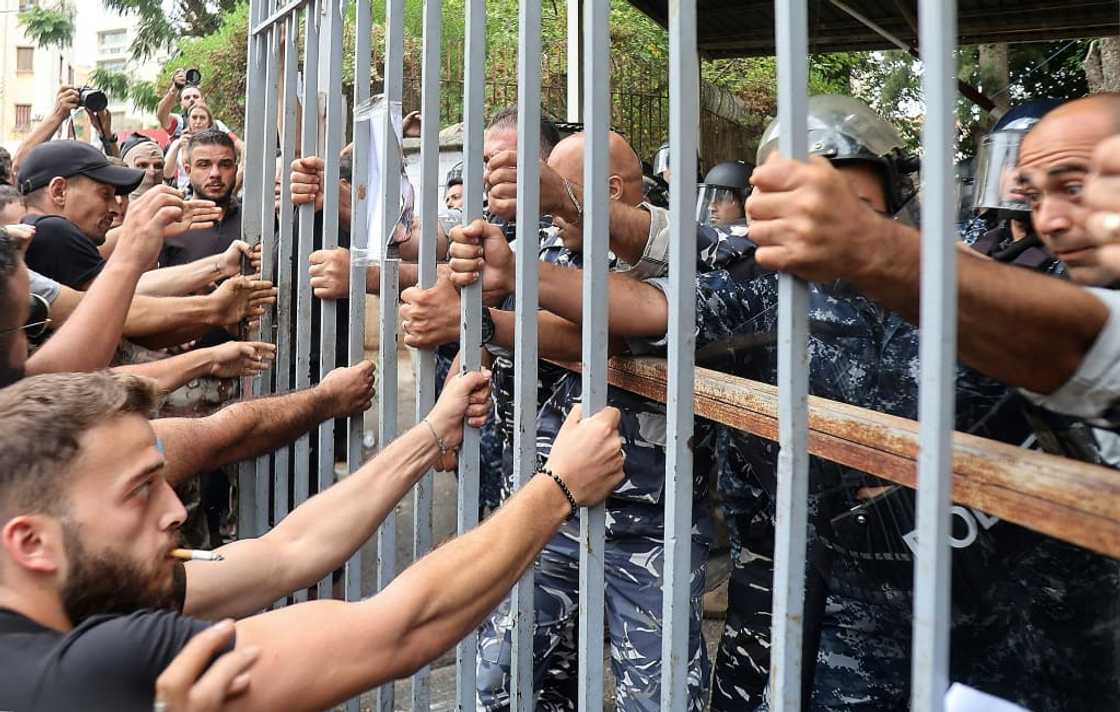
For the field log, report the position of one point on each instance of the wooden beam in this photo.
(1068, 500)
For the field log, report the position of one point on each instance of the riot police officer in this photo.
(723, 195)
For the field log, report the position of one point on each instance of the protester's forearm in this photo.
(1010, 320)
(181, 280)
(446, 594)
(629, 231)
(408, 276)
(89, 338)
(240, 431)
(174, 371)
(319, 535)
(636, 309)
(106, 248)
(172, 317)
(163, 109)
(557, 339)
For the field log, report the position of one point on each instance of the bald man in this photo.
(634, 552)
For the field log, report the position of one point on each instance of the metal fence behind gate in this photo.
(295, 109)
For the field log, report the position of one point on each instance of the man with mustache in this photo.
(212, 160)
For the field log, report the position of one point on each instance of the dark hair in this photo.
(211, 137)
(42, 419)
(506, 118)
(9, 261)
(5, 167)
(9, 195)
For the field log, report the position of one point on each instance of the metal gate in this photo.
(282, 87)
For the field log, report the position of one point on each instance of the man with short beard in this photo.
(88, 523)
(212, 161)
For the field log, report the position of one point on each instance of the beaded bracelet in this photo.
(563, 488)
(439, 441)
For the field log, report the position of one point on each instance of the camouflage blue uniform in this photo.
(634, 554)
(859, 581)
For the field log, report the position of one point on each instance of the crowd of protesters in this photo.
(128, 293)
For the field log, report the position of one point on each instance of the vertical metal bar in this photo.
(250, 519)
(575, 60)
(426, 375)
(268, 139)
(284, 276)
(933, 563)
(393, 73)
(309, 139)
(330, 81)
(596, 222)
(470, 306)
(359, 240)
(525, 324)
(684, 122)
(793, 383)
(470, 346)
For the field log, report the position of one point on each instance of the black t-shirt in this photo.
(196, 244)
(62, 252)
(107, 663)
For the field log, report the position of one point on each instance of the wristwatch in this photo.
(487, 326)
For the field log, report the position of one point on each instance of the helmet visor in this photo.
(997, 176)
(720, 206)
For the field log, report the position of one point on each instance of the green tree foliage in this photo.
(158, 29)
(220, 56)
(49, 26)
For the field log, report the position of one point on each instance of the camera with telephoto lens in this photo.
(93, 99)
(193, 77)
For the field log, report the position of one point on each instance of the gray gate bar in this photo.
(267, 205)
(793, 383)
(330, 86)
(250, 519)
(309, 139)
(596, 231)
(471, 306)
(284, 276)
(283, 13)
(684, 121)
(426, 358)
(359, 239)
(390, 278)
(525, 324)
(932, 565)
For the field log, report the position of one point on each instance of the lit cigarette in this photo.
(195, 555)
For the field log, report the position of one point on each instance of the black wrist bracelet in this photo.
(563, 488)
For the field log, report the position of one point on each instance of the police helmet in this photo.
(997, 186)
(844, 130)
(721, 197)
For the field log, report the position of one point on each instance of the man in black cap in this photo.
(71, 192)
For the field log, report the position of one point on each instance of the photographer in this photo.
(188, 94)
(67, 100)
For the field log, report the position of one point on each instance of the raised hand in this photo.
(587, 455)
(196, 682)
(349, 390)
(466, 395)
(481, 249)
(307, 181)
(147, 219)
(330, 273)
(430, 317)
(197, 215)
(241, 297)
(235, 359)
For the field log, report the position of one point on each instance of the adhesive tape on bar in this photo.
(362, 257)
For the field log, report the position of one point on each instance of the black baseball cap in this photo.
(65, 159)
